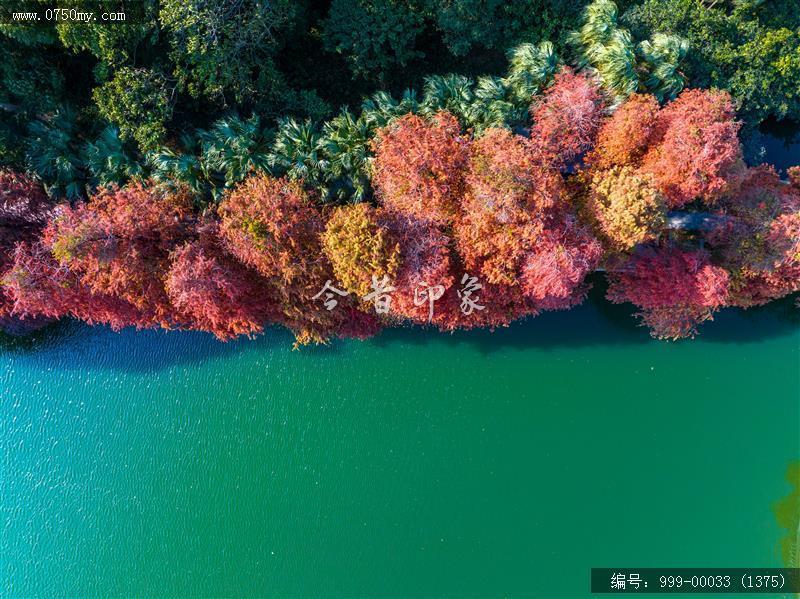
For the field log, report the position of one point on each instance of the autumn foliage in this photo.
(566, 118)
(214, 292)
(465, 231)
(626, 207)
(419, 166)
(359, 245)
(675, 289)
(695, 152)
(24, 211)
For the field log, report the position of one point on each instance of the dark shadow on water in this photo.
(774, 142)
(596, 322)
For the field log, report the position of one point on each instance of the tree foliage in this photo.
(419, 166)
(359, 246)
(675, 289)
(626, 207)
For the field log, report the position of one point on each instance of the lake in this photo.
(414, 464)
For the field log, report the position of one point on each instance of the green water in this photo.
(411, 465)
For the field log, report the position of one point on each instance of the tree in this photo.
(139, 102)
(624, 137)
(530, 68)
(119, 243)
(566, 118)
(271, 226)
(623, 66)
(554, 272)
(53, 152)
(359, 246)
(463, 23)
(374, 36)
(419, 167)
(697, 154)
(110, 160)
(24, 210)
(225, 50)
(234, 148)
(759, 241)
(38, 286)
(508, 195)
(751, 49)
(216, 293)
(626, 207)
(675, 289)
(297, 152)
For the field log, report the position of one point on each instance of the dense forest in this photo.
(225, 164)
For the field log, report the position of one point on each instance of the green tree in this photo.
(54, 153)
(374, 36)
(110, 160)
(225, 50)
(749, 47)
(139, 102)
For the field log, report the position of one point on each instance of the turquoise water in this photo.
(411, 465)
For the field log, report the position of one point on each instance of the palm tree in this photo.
(381, 108)
(599, 24)
(606, 49)
(110, 160)
(233, 148)
(530, 68)
(453, 93)
(493, 105)
(53, 153)
(296, 153)
(345, 143)
(616, 65)
(661, 58)
(181, 167)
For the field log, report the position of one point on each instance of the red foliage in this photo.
(676, 289)
(425, 258)
(271, 225)
(39, 286)
(566, 118)
(554, 272)
(505, 178)
(794, 176)
(759, 240)
(24, 209)
(216, 293)
(419, 166)
(698, 155)
(119, 244)
(625, 136)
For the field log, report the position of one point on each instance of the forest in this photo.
(226, 165)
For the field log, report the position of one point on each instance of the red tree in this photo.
(675, 289)
(119, 244)
(271, 225)
(24, 210)
(553, 273)
(698, 155)
(625, 136)
(759, 238)
(566, 118)
(38, 286)
(216, 293)
(419, 166)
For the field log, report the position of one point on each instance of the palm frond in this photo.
(109, 160)
(530, 69)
